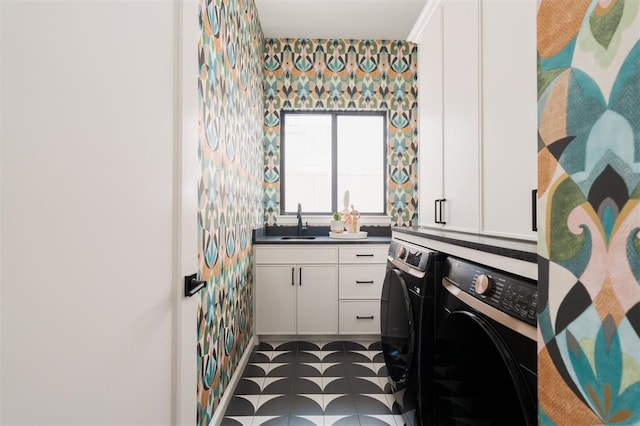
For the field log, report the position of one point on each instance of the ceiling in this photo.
(346, 19)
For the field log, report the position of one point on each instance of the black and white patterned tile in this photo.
(341, 383)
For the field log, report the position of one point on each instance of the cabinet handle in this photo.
(438, 212)
(364, 282)
(364, 255)
(534, 210)
(442, 201)
(292, 276)
(368, 317)
(300, 271)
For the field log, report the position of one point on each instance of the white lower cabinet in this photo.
(276, 299)
(360, 316)
(296, 290)
(319, 289)
(317, 308)
(361, 271)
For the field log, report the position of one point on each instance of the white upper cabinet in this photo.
(430, 94)
(509, 117)
(448, 115)
(477, 115)
(461, 114)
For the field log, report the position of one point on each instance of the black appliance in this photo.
(485, 364)
(407, 323)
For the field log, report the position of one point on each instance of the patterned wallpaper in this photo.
(230, 189)
(311, 74)
(589, 192)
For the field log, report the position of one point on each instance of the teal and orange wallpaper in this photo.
(319, 74)
(230, 93)
(589, 193)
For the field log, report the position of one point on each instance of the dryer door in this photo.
(477, 379)
(397, 333)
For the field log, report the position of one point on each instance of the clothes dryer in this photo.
(407, 323)
(485, 363)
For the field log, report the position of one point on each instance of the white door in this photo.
(187, 188)
(88, 119)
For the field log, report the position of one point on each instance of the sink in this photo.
(298, 238)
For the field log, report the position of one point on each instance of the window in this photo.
(324, 154)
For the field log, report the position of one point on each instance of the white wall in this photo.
(87, 188)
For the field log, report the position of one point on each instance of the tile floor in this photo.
(341, 383)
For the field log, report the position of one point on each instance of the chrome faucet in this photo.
(299, 215)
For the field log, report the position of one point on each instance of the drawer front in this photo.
(361, 281)
(298, 254)
(365, 253)
(359, 317)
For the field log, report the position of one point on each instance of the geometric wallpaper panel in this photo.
(230, 102)
(332, 74)
(589, 193)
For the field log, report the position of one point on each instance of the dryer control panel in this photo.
(416, 259)
(513, 295)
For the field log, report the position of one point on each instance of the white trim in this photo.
(233, 383)
(508, 264)
(531, 238)
(480, 151)
(176, 232)
(1, 222)
(186, 172)
(429, 9)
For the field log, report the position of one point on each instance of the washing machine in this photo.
(407, 323)
(485, 355)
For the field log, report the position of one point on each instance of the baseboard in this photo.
(231, 387)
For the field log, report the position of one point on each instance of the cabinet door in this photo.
(460, 28)
(317, 299)
(430, 117)
(275, 299)
(509, 116)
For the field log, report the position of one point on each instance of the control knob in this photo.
(402, 251)
(483, 284)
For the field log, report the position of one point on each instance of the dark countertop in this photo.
(322, 240)
(274, 234)
(517, 249)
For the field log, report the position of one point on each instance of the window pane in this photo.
(307, 162)
(361, 161)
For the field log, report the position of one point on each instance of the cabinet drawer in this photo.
(294, 255)
(365, 253)
(361, 281)
(359, 317)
